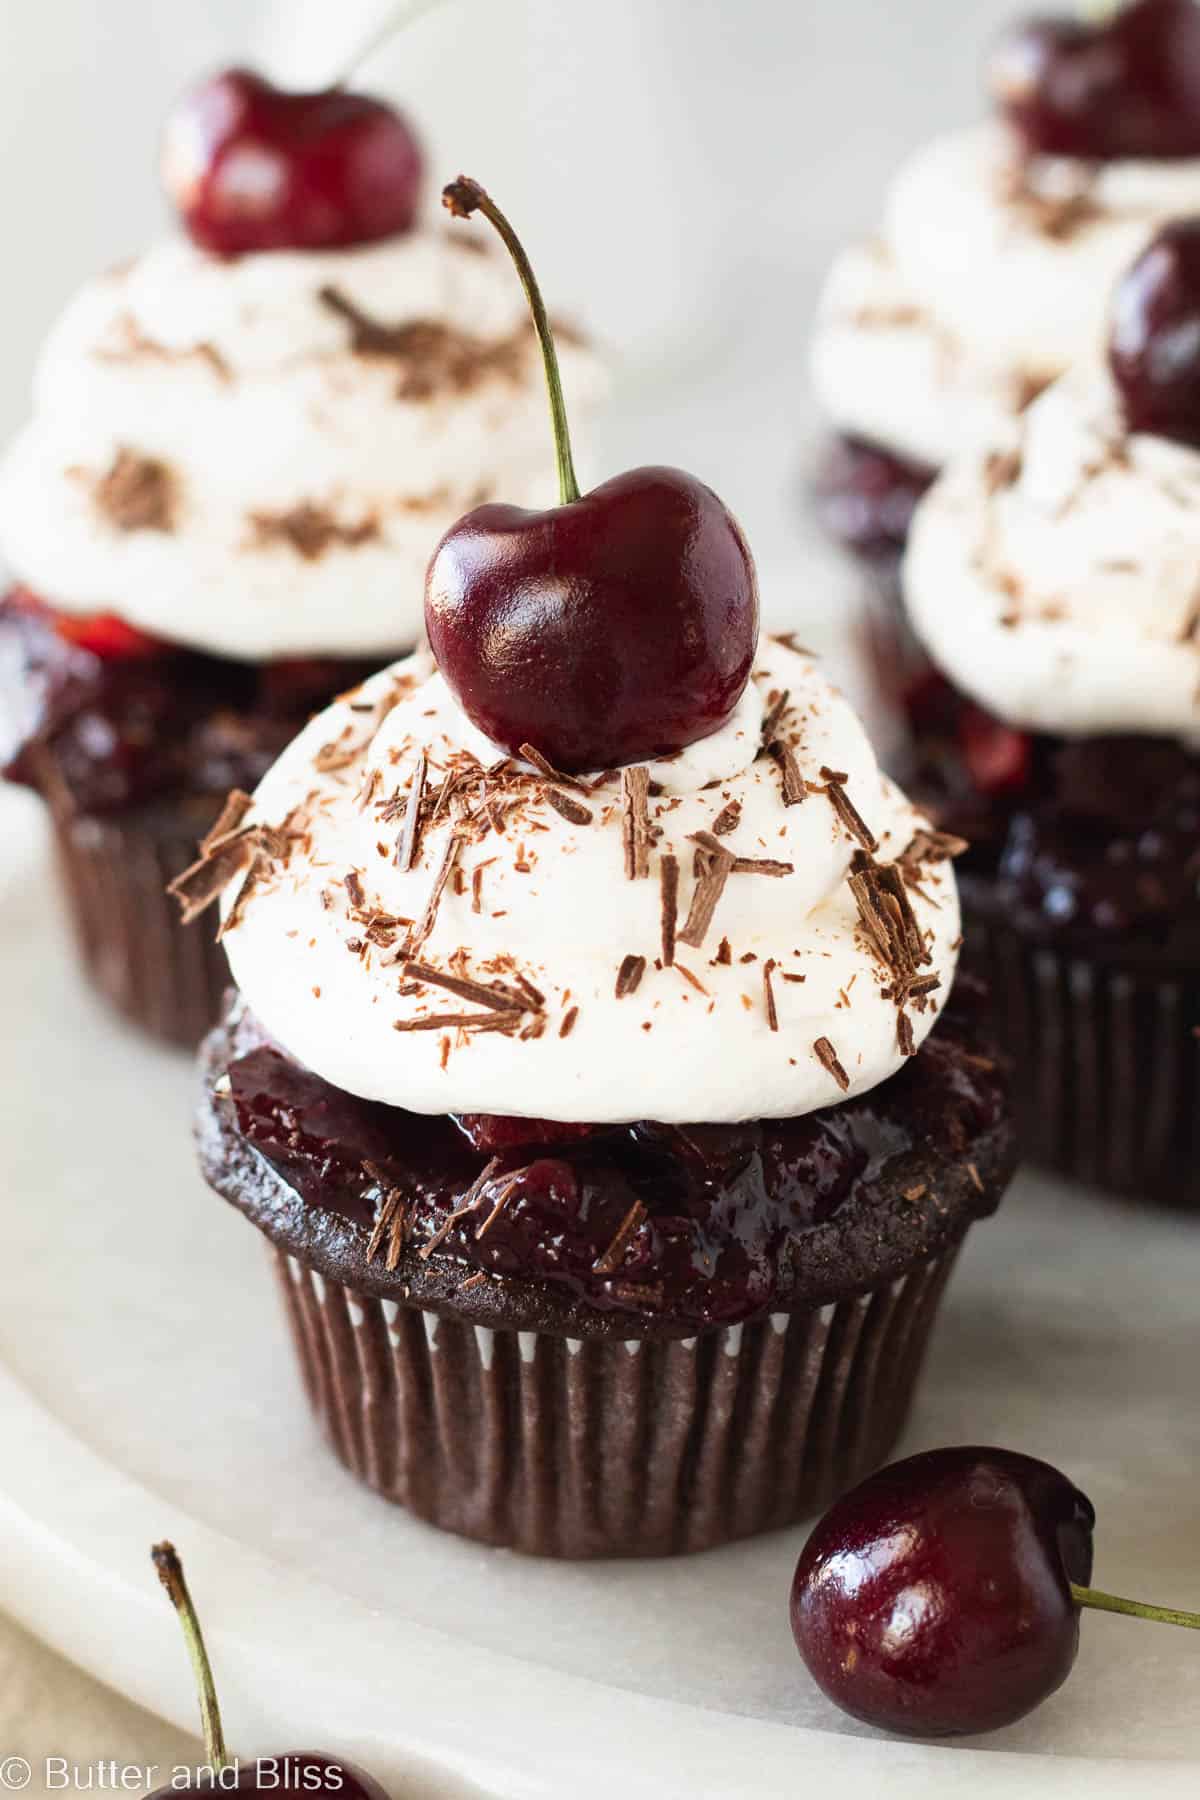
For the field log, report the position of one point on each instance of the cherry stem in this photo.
(407, 13)
(170, 1573)
(1099, 1601)
(464, 197)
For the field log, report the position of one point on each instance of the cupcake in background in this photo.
(584, 1080)
(243, 445)
(999, 250)
(1052, 576)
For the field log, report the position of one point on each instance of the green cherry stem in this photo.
(464, 197)
(1099, 1601)
(170, 1573)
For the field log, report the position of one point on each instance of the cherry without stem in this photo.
(307, 1772)
(616, 627)
(1125, 86)
(251, 167)
(1154, 348)
(942, 1596)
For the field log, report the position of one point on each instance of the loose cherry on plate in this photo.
(251, 167)
(942, 1595)
(1126, 85)
(1154, 345)
(293, 1772)
(618, 626)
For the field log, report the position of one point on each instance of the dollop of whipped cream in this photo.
(992, 275)
(256, 456)
(1055, 575)
(430, 924)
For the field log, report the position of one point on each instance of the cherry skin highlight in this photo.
(612, 630)
(936, 1598)
(1154, 347)
(1126, 87)
(250, 167)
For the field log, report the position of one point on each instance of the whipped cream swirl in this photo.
(1055, 575)
(540, 913)
(991, 276)
(256, 456)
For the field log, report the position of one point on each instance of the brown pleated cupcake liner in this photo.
(1106, 1064)
(162, 976)
(583, 1447)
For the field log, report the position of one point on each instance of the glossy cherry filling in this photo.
(1099, 836)
(866, 496)
(107, 720)
(696, 1221)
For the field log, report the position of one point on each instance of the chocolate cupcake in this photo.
(593, 1124)
(1052, 578)
(220, 514)
(991, 274)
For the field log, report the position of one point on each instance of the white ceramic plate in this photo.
(146, 1390)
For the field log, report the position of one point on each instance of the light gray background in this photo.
(681, 168)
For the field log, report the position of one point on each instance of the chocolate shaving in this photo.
(668, 872)
(497, 998)
(770, 725)
(769, 993)
(310, 530)
(827, 1056)
(386, 1221)
(502, 1199)
(727, 819)
(429, 917)
(847, 812)
(904, 1034)
(927, 846)
(469, 1203)
(136, 493)
(608, 1262)
(887, 920)
(629, 975)
(742, 865)
(715, 864)
(635, 821)
(571, 810)
(338, 755)
(545, 767)
(783, 757)
(487, 1021)
(237, 911)
(352, 882)
(406, 844)
(207, 879)
(568, 1024)
(236, 806)
(432, 357)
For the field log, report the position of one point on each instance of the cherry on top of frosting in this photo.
(249, 166)
(619, 626)
(1154, 346)
(1123, 86)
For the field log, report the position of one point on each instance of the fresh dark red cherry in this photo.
(250, 167)
(1154, 345)
(942, 1596)
(1126, 86)
(618, 626)
(310, 1772)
